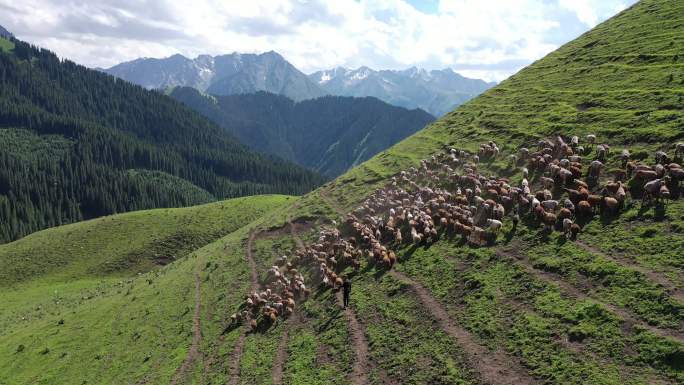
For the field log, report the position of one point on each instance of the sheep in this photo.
(494, 225)
(611, 204)
(547, 182)
(397, 236)
(574, 141)
(664, 193)
(679, 150)
(595, 168)
(574, 230)
(661, 157)
(591, 139)
(645, 175)
(567, 224)
(652, 189)
(601, 152)
(417, 238)
(550, 205)
(549, 220)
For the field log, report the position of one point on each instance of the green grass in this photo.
(142, 322)
(125, 244)
(622, 81)
(6, 45)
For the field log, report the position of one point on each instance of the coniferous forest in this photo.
(329, 134)
(78, 144)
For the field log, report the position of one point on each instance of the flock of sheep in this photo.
(448, 194)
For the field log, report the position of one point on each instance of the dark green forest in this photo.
(76, 144)
(328, 134)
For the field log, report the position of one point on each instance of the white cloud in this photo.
(490, 39)
(583, 9)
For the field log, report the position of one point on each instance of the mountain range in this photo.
(221, 75)
(437, 91)
(5, 33)
(328, 134)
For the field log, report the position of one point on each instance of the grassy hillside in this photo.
(622, 82)
(69, 286)
(605, 309)
(125, 244)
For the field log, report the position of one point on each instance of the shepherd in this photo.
(346, 291)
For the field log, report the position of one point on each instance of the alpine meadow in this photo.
(171, 235)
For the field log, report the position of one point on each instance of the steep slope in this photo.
(329, 134)
(221, 75)
(76, 144)
(437, 92)
(533, 308)
(606, 308)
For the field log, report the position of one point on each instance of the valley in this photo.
(328, 135)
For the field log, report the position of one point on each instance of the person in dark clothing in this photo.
(346, 290)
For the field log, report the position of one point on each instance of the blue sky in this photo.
(489, 39)
(425, 6)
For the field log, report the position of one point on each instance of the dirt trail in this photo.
(566, 287)
(293, 232)
(656, 277)
(331, 203)
(250, 260)
(494, 367)
(236, 356)
(280, 358)
(361, 363)
(182, 371)
(235, 359)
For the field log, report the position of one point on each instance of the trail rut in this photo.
(566, 287)
(193, 352)
(236, 356)
(660, 279)
(331, 203)
(280, 358)
(494, 367)
(361, 363)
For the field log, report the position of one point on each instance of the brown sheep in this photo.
(574, 230)
(595, 201)
(564, 214)
(645, 175)
(611, 204)
(549, 220)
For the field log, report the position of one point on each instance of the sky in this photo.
(487, 39)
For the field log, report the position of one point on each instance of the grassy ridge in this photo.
(142, 323)
(125, 244)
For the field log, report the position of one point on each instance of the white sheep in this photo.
(494, 225)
